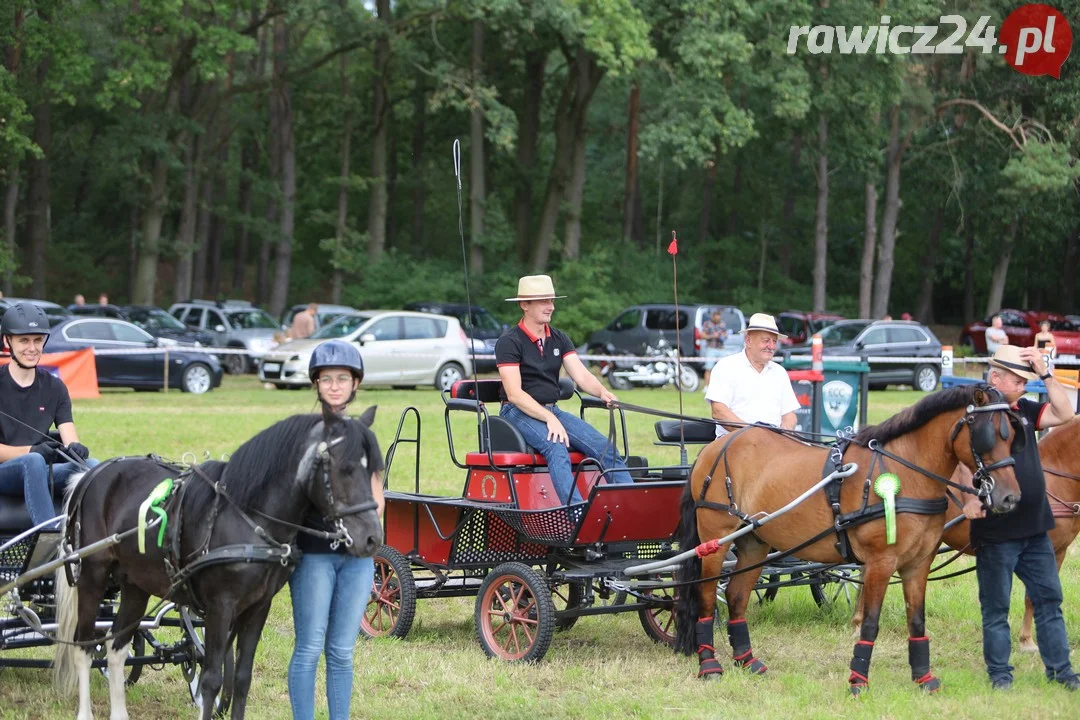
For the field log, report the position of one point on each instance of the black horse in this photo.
(226, 549)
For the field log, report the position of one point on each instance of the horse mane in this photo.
(258, 463)
(922, 412)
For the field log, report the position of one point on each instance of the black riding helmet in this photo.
(336, 353)
(24, 319)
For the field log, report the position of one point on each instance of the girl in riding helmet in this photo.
(329, 588)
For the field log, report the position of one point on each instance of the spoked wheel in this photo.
(840, 585)
(658, 616)
(192, 667)
(136, 648)
(618, 383)
(515, 617)
(689, 379)
(392, 606)
(566, 596)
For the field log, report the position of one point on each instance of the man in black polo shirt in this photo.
(1017, 542)
(32, 400)
(529, 356)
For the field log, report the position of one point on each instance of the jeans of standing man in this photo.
(27, 476)
(1032, 560)
(329, 595)
(584, 438)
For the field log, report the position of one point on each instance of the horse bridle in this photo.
(325, 461)
(982, 441)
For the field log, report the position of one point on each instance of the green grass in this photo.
(604, 666)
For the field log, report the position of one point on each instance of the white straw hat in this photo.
(764, 323)
(535, 287)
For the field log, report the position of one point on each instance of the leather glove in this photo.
(78, 450)
(47, 450)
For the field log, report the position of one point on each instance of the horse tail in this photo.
(65, 672)
(688, 602)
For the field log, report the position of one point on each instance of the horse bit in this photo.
(982, 441)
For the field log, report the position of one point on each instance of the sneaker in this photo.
(1071, 682)
(1002, 683)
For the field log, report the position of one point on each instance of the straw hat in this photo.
(1008, 358)
(535, 287)
(764, 323)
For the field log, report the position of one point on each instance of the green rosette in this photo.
(887, 487)
(153, 503)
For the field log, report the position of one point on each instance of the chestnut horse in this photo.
(754, 471)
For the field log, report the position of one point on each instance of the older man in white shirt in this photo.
(748, 387)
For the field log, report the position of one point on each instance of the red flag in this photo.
(673, 246)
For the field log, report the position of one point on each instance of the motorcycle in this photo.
(657, 372)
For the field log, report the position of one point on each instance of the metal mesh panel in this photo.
(557, 526)
(486, 540)
(13, 559)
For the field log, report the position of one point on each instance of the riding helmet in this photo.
(336, 353)
(24, 319)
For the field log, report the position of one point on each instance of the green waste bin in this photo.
(842, 396)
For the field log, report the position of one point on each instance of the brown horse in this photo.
(742, 476)
(1059, 452)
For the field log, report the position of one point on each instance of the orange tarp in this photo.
(77, 369)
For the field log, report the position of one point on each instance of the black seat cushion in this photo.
(693, 430)
(14, 517)
(504, 437)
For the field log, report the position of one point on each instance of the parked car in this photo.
(483, 327)
(1021, 326)
(51, 309)
(801, 326)
(231, 324)
(640, 327)
(399, 348)
(153, 320)
(884, 338)
(325, 315)
(189, 370)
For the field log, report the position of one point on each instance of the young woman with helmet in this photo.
(32, 400)
(329, 588)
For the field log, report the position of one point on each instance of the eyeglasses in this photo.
(329, 381)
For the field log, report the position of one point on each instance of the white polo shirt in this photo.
(753, 396)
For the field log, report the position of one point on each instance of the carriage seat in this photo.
(14, 517)
(508, 446)
(695, 431)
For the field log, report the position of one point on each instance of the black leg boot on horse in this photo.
(743, 654)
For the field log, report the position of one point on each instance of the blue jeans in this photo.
(329, 594)
(27, 476)
(584, 438)
(1032, 559)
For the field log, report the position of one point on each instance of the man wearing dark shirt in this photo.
(1017, 542)
(32, 400)
(530, 356)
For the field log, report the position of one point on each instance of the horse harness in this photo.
(1063, 508)
(981, 442)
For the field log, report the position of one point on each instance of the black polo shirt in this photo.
(41, 405)
(1032, 515)
(539, 368)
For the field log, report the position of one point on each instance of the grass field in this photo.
(604, 666)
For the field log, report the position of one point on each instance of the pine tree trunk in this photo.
(528, 135)
(134, 234)
(866, 266)
(708, 190)
(924, 312)
(273, 199)
(39, 188)
(11, 206)
(419, 177)
(574, 196)
(185, 235)
(146, 271)
(343, 178)
(1000, 273)
(890, 217)
(821, 216)
(632, 187)
(731, 225)
(1069, 269)
(380, 118)
(789, 237)
(245, 202)
(969, 272)
(283, 96)
(206, 199)
(477, 162)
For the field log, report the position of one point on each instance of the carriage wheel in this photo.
(136, 648)
(566, 596)
(191, 668)
(392, 606)
(658, 616)
(514, 615)
(841, 585)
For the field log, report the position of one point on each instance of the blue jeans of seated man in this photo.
(329, 594)
(27, 476)
(1032, 560)
(584, 438)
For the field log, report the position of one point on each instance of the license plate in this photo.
(271, 367)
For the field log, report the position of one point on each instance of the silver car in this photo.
(231, 324)
(399, 348)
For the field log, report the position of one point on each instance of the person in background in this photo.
(1044, 338)
(995, 335)
(303, 324)
(714, 332)
(79, 300)
(906, 316)
(330, 588)
(103, 299)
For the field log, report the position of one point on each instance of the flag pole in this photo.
(673, 251)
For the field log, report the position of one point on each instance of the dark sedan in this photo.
(152, 319)
(189, 370)
(884, 339)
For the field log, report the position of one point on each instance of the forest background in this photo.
(283, 152)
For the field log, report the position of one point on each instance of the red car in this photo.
(800, 326)
(1021, 327)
